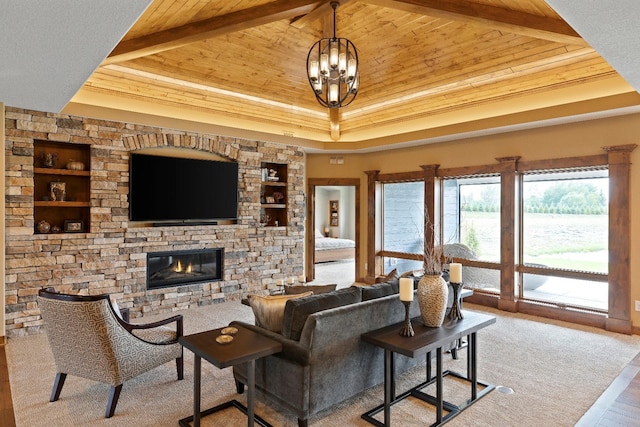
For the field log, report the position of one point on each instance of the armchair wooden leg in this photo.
(180, 367)
(302, 423)
(114, 394)
(57, 386)
(239, 387)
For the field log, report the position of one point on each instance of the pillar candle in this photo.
(406, 289)
(455, 272)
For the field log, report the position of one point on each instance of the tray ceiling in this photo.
(425, 66)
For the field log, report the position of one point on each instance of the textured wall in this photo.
(111, 256)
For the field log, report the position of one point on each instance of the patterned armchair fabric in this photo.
(89, 340)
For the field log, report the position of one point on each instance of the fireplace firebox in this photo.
(177, 268)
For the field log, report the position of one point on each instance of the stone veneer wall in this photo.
(111, 256)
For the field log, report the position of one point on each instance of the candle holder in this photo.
(456, 310)
(407, 329)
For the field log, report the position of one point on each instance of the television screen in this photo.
(179, 189)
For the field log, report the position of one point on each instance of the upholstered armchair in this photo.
(89, 339)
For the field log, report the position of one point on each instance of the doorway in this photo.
(333, 208)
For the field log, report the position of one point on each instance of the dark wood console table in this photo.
(247, 346)
(425, 341)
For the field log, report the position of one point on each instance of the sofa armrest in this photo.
(291, 350)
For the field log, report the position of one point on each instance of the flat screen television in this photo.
(176, 189)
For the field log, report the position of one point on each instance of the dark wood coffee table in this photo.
(426, 340)
(247, 346)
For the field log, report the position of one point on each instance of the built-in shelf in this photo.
(55, 177)
(273, 194)
(62, 204)
(68, 172)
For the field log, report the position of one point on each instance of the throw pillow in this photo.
(380, 290)
(268, 310)
(316, 289)
(296, 311)
(390, 277)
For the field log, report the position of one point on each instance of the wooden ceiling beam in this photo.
(218, 25)
(304, 20)
(324, 9)
(510, 21)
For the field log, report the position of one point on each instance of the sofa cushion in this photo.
(316, 289)
(380, 290)
(268, 310)
(297, 310)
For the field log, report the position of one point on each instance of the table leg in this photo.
(468, 359)
(196, 390)
(439, 393)
(474, 366)
(388, 388)
(251, 380)
(428, 364)
(392, 368)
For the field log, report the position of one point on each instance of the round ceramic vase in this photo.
(433, 292)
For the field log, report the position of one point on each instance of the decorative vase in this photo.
(43, 226)
(433, 292)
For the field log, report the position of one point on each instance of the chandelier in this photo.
(332, 68)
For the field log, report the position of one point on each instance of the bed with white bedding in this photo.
(333, 249)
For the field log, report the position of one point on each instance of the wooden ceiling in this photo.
(243, 62)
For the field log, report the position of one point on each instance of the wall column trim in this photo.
(372, 178)
(619, 159)
(507, 299)
(431, 223)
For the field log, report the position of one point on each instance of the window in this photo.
(402, 223)
(565, 226)
(532, 235)
(471, 226)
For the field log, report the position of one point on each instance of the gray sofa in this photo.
(329, 363)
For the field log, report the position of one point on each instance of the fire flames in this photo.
(179, 268)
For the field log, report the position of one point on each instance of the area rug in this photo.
(555, 370)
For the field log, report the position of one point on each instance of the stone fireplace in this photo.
(178, 268)
(110, 256)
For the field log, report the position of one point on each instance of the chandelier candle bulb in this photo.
(342, 63)
(406, 289)
(314, 71)
(324, 63)
(455, 272)
(333, 93)
(351, 70)
(333, 55)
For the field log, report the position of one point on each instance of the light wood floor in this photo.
(618, 406)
